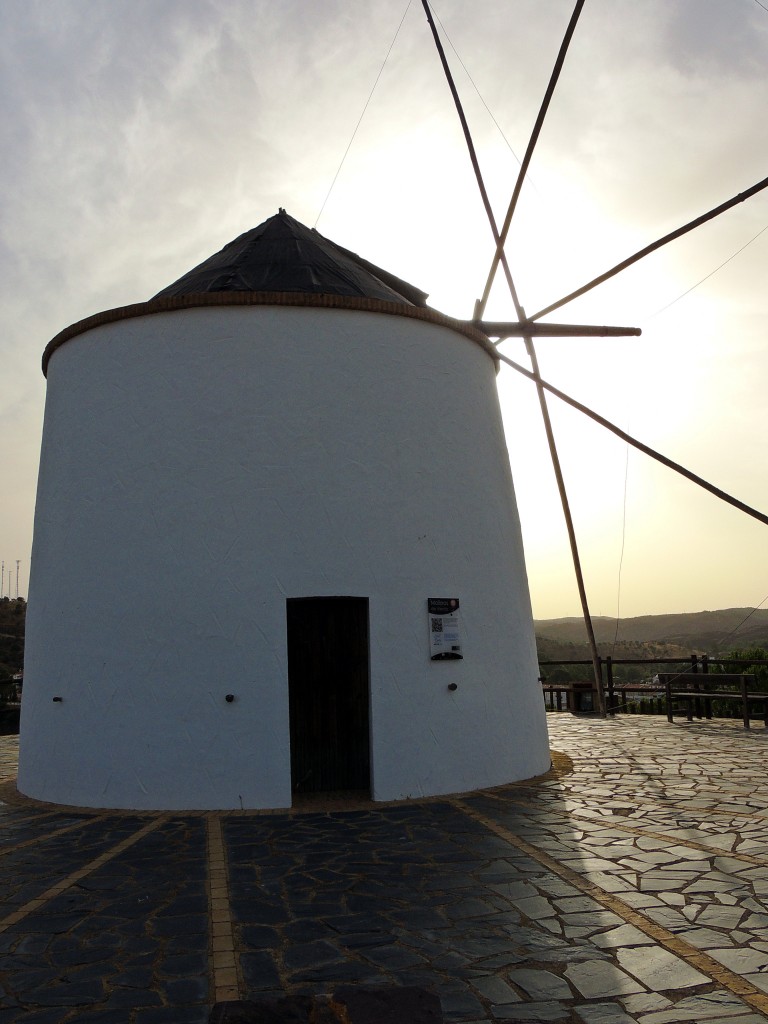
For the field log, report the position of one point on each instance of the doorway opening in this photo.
(328, 691)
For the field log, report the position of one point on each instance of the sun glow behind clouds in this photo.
(177, 127)
(660, 388)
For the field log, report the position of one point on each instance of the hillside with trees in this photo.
(671, 636)
(724, 633)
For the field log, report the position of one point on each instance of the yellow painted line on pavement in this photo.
(672, 804)
(692, 844)
(638, 830)
(75, 876)
(696, 958)
(44, 837)
(16, 820)
(675, 801)
(224, 964)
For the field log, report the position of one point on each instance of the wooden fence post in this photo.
(745, 702)
(611, 709)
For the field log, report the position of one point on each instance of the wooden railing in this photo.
(578, 696)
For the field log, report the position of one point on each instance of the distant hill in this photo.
(671, 636)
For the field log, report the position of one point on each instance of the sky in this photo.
(140, 136)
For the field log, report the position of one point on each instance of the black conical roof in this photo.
(282, 255)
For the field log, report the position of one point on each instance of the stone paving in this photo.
(628, 885)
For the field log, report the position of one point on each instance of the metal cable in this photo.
(362, 115)
(710, 274)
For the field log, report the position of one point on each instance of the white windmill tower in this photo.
(306, 455)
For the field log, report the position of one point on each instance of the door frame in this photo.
(355, 773)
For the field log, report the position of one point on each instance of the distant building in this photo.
(250, 488)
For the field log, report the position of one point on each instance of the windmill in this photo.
(168, 434)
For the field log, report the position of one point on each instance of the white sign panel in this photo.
(444, 628)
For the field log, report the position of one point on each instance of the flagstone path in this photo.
(630, 884)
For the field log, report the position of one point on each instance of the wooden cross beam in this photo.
(529, 329)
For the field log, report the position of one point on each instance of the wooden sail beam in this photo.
(569, 526)
(473, 158)
(646, 449)
(527, 329)
(501, 240)
(678, 233)
(501, 258)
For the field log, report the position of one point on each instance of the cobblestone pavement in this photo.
(628, 885)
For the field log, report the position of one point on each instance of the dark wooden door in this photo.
(328, 693)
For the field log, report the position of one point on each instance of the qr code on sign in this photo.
(437, 625)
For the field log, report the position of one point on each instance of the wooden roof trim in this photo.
(172, 303)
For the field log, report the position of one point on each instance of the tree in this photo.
(746, 662)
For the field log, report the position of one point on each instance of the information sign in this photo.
(444, 628)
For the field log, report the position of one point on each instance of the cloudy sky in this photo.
(139, 136)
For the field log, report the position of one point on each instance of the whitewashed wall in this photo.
(201, 466)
